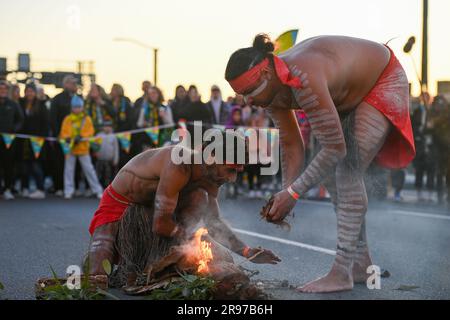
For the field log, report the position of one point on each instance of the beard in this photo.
(228, 176)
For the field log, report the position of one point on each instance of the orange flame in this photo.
(202, 251)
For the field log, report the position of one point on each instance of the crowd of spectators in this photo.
(85, 169)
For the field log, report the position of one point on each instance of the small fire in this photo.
(202, 251)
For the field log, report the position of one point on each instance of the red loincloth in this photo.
(111, 208)
(390, 96)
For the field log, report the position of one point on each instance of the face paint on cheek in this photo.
(248, 98)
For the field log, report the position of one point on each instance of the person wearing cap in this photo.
(76, 128)
(355, 94)
(59, 109)
(37, 124)
(11, 121)
(218, 109)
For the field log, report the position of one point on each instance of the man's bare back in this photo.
(139, 178)
(350, 66)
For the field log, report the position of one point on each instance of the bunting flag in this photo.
(36, 145)
(285, 41)
(65, 146)
(124, 139)
(153, 133)
(95, 143)
(8, 139)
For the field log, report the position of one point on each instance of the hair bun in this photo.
(263, 43)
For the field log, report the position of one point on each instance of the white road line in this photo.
(320, 203)
(420, 214)
(394, 211)
(290, 242)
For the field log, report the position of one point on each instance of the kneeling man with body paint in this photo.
(153, 204)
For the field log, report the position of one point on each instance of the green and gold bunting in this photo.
(8, 139)
(65, 146)
(95, 143)
(153, 134)
(124, 139)
(285, 41)
(36, 145)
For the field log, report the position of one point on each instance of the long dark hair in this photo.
(34, 103)
(160, 94)
(244, 59)
(176, 90)
(101, 91)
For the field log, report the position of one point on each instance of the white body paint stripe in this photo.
(290, 242)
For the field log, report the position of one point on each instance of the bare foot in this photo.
(335, 281)
(359, 271)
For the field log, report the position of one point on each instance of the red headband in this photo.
(248, 78)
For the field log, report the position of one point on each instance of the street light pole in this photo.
(143, 45)
(425, 45)
(155, 63)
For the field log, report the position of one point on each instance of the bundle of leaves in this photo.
(187, 287)
(264, 213)
(56, 289)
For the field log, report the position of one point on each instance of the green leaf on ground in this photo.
(60, 291)
(107, 266)
(190, 287)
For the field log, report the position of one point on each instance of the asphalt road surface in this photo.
(411, 241)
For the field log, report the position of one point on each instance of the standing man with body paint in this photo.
(355, 95)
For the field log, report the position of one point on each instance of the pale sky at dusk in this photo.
(197, 37)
